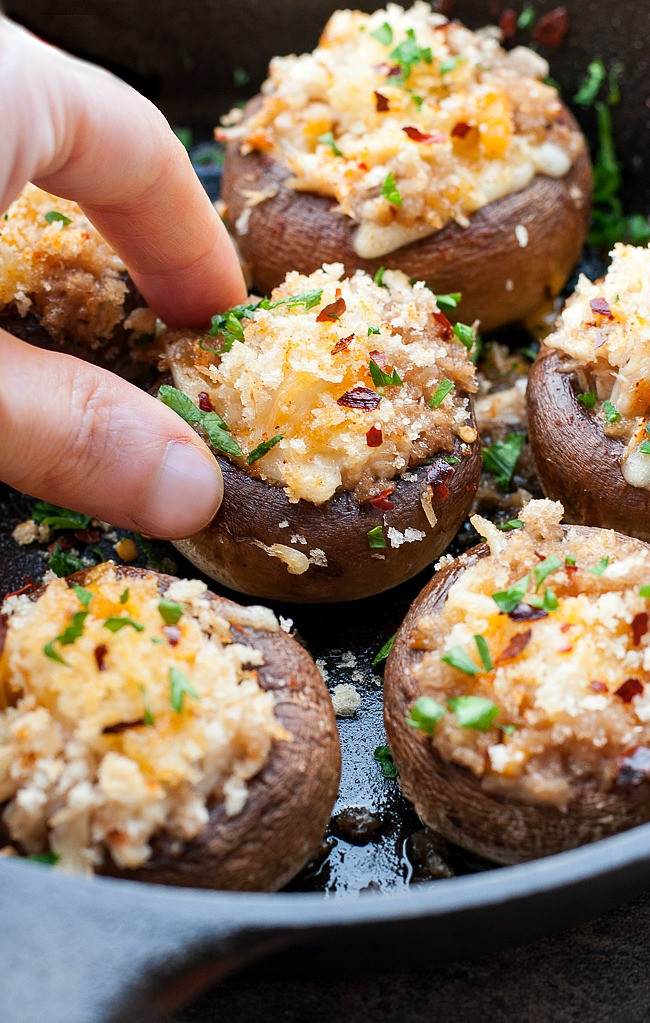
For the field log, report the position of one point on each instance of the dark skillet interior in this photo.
(375, 841)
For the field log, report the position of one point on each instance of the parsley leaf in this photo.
(48, 858)
(484, 653)
(382, 379)
(544, 569)
(591, 83)
(599, 567)
(264, 448)
(408, 54)
(588, 399)
(500, 458)
(53, 216)
(511, 524)
(383, 34)
(444, 388)
(448, 302)
(379, 276)
(384, 758)
(457, 658)
(63, 563)
(390, 191)
(383, 653)
(85, 596)
(115, 623)
(527, 17)
(612, 415)
(465, 335)
(328, 140)
(170, 611)
(216, 429)
(425, 714)
(450, 65)
(148, 715)
(507, 600)
(473, 712)
(376, 538)
(179, 685)
(47, 514)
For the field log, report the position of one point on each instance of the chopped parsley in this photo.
(600, 567)
(53, 216)
(444, 388)
(217, 430)
(544, 569)
(548, 602)
(228, 325)
(484, 653)
(115, 624)
(69, 635)
(609, 222)
(384, 758)
(124, 596)
(390, 191)
(408, 54)
(473, 711)
(328, 140)
(85, 596)
(383, 653)
(179, 685)
(588, 399)
(64, 563)
(507, 600)
(644, 591)
(425, 714)
(50, 652)
(450, 65)
(591, 84)
(450, 301)
(376, 538)
(47, 514)
(465, 335)
(170, 611)
(511, 524)
(382, 379)
(569, 560)
(383, 34)
(500, 458)
(263, 448)
(49, 859)
(374, 330)
(644, 447)
(612, 415)
(148, 715)
(457, 658)
(379, 276)
(527, 17)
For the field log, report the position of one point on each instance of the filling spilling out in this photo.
(409, 121)
(535, 675)
(125, 714)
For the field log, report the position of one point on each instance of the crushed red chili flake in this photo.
(378, 358)
(437, 476)
(516, 645)
(508, 23)
(205, 402)
(360, 397)
(4, 626)
(527, 613)
(121, 726)
(394, 72)
(447, 330)
(333, 311)
(381, 103)
(374, 437)
(27, 588)
(363, 166)
(344, 343)
(551, 28)
(565, 627)
(565, 649)
(460, 130)
(598, 687)
(100, 656)
(173, 634)
(639, 627)
(87, 535)
(633, 767)
(570, 569)
(601, 306)
(381, 500)
(427, 138)
(629, 689)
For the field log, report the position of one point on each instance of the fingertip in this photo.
(185, 494)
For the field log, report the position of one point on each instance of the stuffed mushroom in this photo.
(407, 141)
(517, 693)
(340, 411)
(150, 730)
(589, 400)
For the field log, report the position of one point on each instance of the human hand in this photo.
(74, 434)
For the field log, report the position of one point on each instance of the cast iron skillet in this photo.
(109, 951)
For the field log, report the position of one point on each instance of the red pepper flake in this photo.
(381, 501)
(527, 613)
(378, 358)
(460, 130)
(551, 28)
(565, 649)
(173, 634)
(100, 656)
(4, 626)
(394, 72)
(205, 402)
(565, 627)
(381, 103)
(360, 397)
(599, 340)
(437, 476)
(427, 138)
(629, 689)
(447, 330)
(121, 726)
(87, 535)
(601, 306)
(332, 312)
(374, 437)
(633, 767)
(363, 166)
(639, 627)
(27, 588)
(570, 569)
(516, 645)
(508, 23)
(598, 687)
(344, 343)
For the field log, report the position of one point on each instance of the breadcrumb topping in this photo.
(455, 120)
(569, 681)
(123, 718)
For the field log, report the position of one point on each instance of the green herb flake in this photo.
(449, 459)
(444, 388)
(179, 685)
(64, 563)
(217, 430)
(548, 602)
(527, 17)
(408, 54)
(383, 653)
(53, 216)
(390, 191)
(124, 596)
(240, 77)
(591, 84)
(184, 135)
(511, 524)
(263, 448)
(425, 714)
(48, 859)
(383, 34)
(644, 592)
(115, 624)
(328, 140)
(148, 715)
(500, 458)
(170, 611)
(644, 447)
(588, 399)
(600, 567)
(376, 538)
(484, 653)
(509, 729)
(473, 712)
(384, 758)
(507, 600)
(52, 515)
(374, 330)
(382, 379)
(450, 65)
(612, 415)
(50, 652)
(457, 658)
(448, 302)
(379, 276)
(544, 569)
(569, 560)
(85, 596)
(465, 335)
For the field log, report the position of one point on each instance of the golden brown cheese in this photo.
(568, 692)
(409, 121)
(109, 732)
(298, 361)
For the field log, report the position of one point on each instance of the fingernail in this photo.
(186, 495)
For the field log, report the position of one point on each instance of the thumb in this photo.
(85, 439)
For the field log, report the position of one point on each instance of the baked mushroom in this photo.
(407, 141)
(517, 692)
(589, 400)
(63, 288)
(340, 409)
(152, 731)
